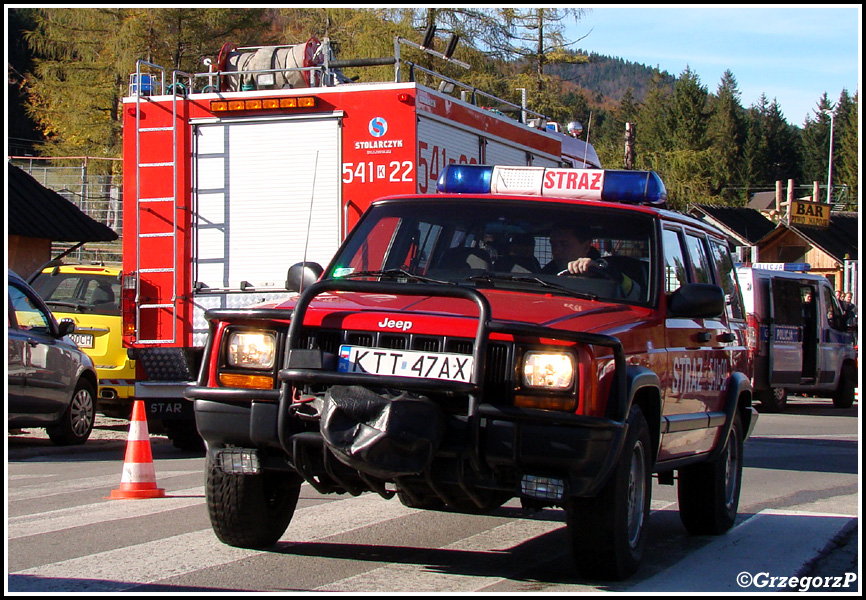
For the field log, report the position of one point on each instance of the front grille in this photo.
(498, 375)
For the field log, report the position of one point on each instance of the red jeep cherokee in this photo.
(446, 358)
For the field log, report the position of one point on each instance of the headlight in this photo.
(548, 370)
(252, 349)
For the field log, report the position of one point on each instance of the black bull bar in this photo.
(616, 411)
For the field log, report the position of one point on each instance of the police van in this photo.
(799, 339)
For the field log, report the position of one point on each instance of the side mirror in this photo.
(697, 300)
(303, 275)
(65, 327)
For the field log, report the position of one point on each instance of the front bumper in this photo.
(491, 451)
(483, 446)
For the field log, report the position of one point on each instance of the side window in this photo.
(728, 280)
(698, 256)
(787, 302)
(834, 312)
(29, 316)
(675, 265)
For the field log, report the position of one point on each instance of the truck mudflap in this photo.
(382, 435)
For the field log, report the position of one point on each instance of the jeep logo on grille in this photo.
(392, 324)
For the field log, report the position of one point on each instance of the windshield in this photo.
(502, 244)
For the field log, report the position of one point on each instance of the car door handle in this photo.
(727, 337)
(704, 336)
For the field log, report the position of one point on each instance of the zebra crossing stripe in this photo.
(131, 566)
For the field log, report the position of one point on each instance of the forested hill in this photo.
(610, 77)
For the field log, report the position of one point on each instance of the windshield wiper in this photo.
(490, 278)
(394, 273)
(79, 306)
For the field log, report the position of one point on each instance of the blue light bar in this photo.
(465, 179)
(801, 267)
(630, 187)
(633, 187)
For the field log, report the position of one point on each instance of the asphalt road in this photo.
(797, 518)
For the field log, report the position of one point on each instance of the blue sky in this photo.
(791, 53)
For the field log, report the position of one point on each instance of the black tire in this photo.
(78, 420)
(250, 511)
(843, 397)
(773, 400)
(607, 533)
(709, 492)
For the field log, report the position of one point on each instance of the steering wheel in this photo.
(598, 268)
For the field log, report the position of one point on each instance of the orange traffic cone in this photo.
(139, 478)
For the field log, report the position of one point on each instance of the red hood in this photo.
(424, 315)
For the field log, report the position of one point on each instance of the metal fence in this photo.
(88, 184)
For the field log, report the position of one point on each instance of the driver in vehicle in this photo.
(574, 254)
(572, 251)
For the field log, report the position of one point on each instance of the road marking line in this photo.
(773, 541)
(100, 512)
(124, 568)
(430, 578)
(413, 577)
(53, 488)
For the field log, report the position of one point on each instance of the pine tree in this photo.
(816, 143)
(654, 119)
(771, 151)
(689, 113)
(628, 108)
(725, 132)
(846, 160)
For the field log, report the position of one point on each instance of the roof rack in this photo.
(312, 64)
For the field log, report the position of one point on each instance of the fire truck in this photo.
(267, 160)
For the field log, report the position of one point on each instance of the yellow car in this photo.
(89, 295)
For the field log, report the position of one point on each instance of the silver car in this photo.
(51, 383)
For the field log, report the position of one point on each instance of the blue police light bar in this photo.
(630, 187)
(801, 267)
(465, 179)
(634, 187)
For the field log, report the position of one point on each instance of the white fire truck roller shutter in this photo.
(257, 187)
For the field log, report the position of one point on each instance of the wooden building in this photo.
(831, 251)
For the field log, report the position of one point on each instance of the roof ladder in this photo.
(141, 135)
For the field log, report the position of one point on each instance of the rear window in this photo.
(84, 293)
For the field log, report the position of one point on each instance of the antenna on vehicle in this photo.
(586, 147)
(310, 217)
